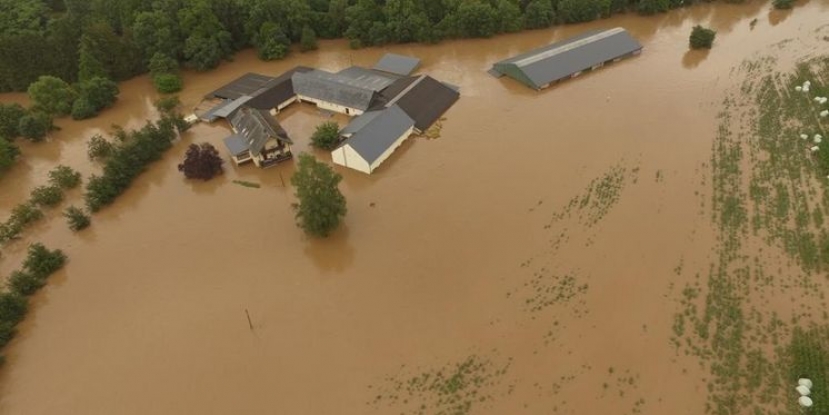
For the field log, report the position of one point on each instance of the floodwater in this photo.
(435, 259)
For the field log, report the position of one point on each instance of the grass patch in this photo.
(247, 184)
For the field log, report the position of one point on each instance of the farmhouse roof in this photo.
(424, 100)
(380, 133)
(257, 127)
(328, 87)
(561, 59)
(397, 64)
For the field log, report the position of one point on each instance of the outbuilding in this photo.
(542, 67)
(372, 137)
(257, 137)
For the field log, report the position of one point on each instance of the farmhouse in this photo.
(540, 68)
(387, 104)
(372, 138)
(257, 137)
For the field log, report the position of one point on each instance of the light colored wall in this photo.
(347, 157)
(387, 153)
(331, 106)
(285, 104)
(241, 159)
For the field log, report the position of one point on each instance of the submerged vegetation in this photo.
(767, 190)
(39, 264)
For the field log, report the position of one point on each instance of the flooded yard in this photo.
(532, 259)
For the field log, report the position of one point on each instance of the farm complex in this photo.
(387, 105)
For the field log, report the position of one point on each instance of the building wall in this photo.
(331, 106)
(284, 104)
(387, 153)
(347, 157)
(241, 158)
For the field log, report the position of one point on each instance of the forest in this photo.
(123, 38)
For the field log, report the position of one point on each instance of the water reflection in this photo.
(331, 254)
(692, 58)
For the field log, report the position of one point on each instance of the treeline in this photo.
(118, 39)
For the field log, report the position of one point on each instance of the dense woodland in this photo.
(122, 38)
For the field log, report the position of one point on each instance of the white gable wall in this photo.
(347, 157)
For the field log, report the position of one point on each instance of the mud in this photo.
(435, 261)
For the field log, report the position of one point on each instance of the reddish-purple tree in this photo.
(201, 161)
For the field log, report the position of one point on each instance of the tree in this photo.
(13, 308)
(309, 39)
(100, 92)
(326, 136)
(47, 196)
(167, 83)
(321, 205)
(83, 109)
(157, 32)
(783, 4)
(162, 64)
(8, 153)
(52, 95)
(648, 7)
(89, 65)
(10, 115)
(510, 16)
(98, 148)
(35, 125)
(64, 177)
(539, 14)
(201, 161)
(207, 43)
(575, 11)
(701, 38)
(477, 19)
(76, 218)
(271, 42)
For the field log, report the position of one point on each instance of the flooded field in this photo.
(532, 259)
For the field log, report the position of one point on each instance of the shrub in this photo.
(167, 105)
(140, 148)
(64, 177)
(34, 126)
(12, 307)
(52, 95)
(167, 83)
(25, 214)
(7, 333)
(326, 136)
(702, 38)
(783, 4)
(47, 195)
(8, 153)
(24, 283)
(76, 218)
(201, 162)
(83, 109)
(162, 64)
(98, 148)
(41, 262)
(308, 40)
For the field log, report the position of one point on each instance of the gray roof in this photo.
(328, 87)
(366, 78)
(257, 127)
(380, 133)
(246, 84)
(397, 64)
(562, 59)
(425, 100)
(277, 91)
(360, 121)
(226, 110)
(236, 144)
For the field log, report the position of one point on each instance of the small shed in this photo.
(373, 139)
(539, 68)
(397, 64)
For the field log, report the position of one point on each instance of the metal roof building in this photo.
(541, 67)
(425, 99)
(397, 64)
(327, 87)
(378, 134)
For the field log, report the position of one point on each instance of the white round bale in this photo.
(802, 390)
(804, 137)
(805, 382)
(818, 140)
(798, 88)
(814, 149)
(805, 401)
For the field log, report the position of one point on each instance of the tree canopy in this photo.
(76, 40)
(201, 161)
(321, 206)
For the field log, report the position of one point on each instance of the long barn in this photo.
(540, 68)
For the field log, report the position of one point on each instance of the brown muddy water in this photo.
(443, 254)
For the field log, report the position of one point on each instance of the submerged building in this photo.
(387, 105)
(569, 58)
